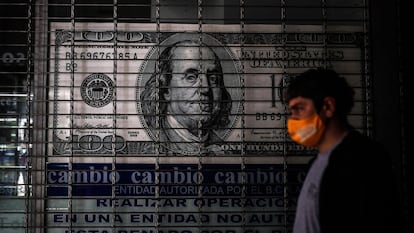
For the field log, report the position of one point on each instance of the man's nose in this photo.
(204, 83)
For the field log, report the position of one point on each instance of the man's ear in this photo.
(329, 106)
(167, 95)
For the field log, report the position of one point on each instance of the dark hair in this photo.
(316, 84)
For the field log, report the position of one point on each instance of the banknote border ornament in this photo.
(97, 90)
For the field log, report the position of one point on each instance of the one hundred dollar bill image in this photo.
(143, 91)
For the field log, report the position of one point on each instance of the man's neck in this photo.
(183, 132)
(333, 134)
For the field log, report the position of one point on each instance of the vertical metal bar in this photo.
(200, 58)
(285, 139)
(243, 112)
(37, 160)
(366, 78)
(200, 68)
(325, 31)
(403, 98)
(27, 115)
(157, 118)
(114, 113)
(71, 113)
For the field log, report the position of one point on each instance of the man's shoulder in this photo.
(355, 140)
(359, 147)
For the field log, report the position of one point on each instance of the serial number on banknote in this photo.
(102, 55)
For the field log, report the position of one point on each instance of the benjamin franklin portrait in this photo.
(186, 102)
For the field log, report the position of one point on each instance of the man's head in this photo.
(319, 100)
(195, 86)
(191, 86)
(317, 84)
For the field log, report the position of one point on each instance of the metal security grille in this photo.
(163, 116)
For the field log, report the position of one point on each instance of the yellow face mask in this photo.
(307, 132)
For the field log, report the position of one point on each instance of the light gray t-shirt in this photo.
(307, 210)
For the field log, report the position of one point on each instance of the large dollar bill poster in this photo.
(180, 128)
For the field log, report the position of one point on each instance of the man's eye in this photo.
(213, 79)
(191, 77)
(294, 110)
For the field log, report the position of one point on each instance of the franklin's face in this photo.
(194, 93)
